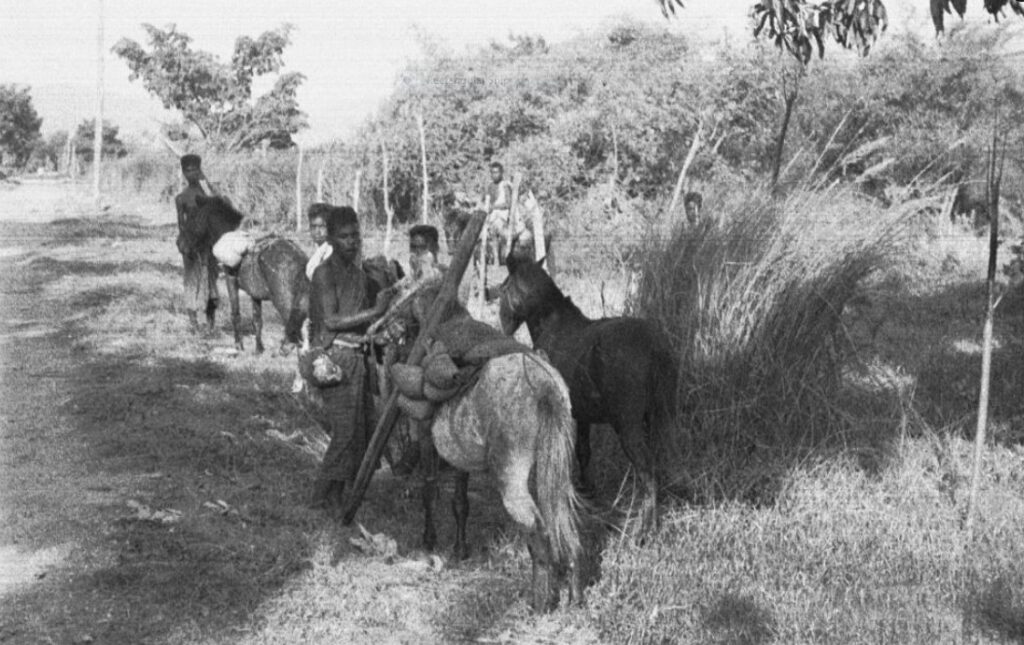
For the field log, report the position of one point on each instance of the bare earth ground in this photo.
(153, 486)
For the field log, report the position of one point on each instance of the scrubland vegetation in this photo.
(828, 330)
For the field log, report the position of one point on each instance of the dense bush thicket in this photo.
(607, 120)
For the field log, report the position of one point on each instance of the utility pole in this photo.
(97, 137)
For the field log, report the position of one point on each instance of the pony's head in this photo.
(527, 292)
(219, 214)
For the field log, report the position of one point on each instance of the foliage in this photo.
(216, 97)
(113, 147)
(19, 124)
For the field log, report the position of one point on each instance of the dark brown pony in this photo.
(274, 270)
(620, 371)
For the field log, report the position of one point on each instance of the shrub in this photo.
(752, 298)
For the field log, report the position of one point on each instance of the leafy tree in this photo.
(112, 145)
(800, 26)
(49, 153)
(217, 97)
(19, 124)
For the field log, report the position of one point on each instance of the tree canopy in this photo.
(217, 97)
(19, 124)
(112, 144)
(801, 26)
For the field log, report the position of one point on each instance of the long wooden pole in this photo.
(423, 162)
(97, 137)
(992, 193)
(356, 189)
(690, 154)
(389, 212)
(298, 191)
(448, 293)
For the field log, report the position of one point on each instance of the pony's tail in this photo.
(556, 496)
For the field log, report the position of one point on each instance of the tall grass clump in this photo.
(752, 298)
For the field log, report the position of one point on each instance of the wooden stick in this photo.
(97, 138)
(539, 249)
(298, 191)
(481, 268)
(992, 189)
(690, 154)
(388, 211)
(423, 162)
(355, 190)
(513, 216)
(320, 180)
(449, 291)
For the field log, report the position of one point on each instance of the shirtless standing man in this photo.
(200, 266)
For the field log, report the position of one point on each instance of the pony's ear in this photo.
(541, 261)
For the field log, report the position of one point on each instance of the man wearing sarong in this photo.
(200, 277)
(343, 302)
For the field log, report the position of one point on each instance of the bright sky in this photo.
(349, 51)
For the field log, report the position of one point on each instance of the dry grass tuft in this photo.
(753, 300)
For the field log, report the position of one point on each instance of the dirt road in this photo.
(152, 486)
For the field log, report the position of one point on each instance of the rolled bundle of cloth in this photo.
(232, 246)
(457, 350)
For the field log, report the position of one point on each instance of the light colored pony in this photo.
(513, 422)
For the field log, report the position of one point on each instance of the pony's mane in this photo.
(219, 214)
(539, 293)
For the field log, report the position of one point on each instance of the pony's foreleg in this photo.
(428, 464)
(231, 280)
(257, 321)
(460, 508)
(583, 455)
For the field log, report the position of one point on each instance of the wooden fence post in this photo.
(424, 218)
(995, 176)
(389, 212)
(320, 179)
(298, 191)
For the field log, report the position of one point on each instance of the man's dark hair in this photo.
(340, 216)
(319, 209)
(497, 164)
(693, 197)
(426, 231)
(190, 160)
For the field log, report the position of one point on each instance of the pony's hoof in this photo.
(461, 553)
(259, 348)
